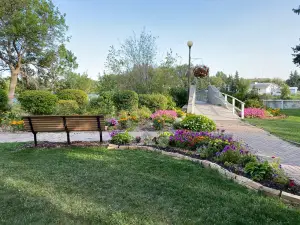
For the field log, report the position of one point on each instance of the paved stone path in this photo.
(61, 137)
(261, 142)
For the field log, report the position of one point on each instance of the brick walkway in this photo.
(266, 145)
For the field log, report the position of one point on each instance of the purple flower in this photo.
(115, 132)
(112, 122)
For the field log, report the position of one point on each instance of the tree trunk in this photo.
(13, 84)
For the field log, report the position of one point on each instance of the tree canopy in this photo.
(296, 49)
(29, 30)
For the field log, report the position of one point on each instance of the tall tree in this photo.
(136, 52)
(294, 79)
(296, 50)
(57, 66)
(29, 29)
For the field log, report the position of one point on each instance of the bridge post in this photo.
(225, 99)
(233, 105)
(243, 111)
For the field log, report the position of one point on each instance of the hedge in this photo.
(126, 100)
(73, 94)
(197, 123)
(153, 101)
(67, 107)
(38, 102)
(180, 96)
(3, 100)
(104, 104)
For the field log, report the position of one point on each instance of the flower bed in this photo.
(268, 113)
(222, 149)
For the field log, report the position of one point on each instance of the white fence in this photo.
(282, 104)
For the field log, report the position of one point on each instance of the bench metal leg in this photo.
(68, 138)
(35, 139)
(101, 138)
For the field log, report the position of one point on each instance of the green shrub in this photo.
(72, 94)
(126, 100)
(121, 138)
(253, 103)
(197, 123)
(259, 171)
(163, 141)
(153, 101)
(230, 157)
(38, 102)
(170, 102)
(180, 96)
(247, 158)
(102, 105)
(3, 100)
(67, 107)
(143, 113)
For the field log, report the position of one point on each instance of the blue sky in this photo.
(253, 37)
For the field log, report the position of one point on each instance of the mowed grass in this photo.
(99, 186)
(287, 129)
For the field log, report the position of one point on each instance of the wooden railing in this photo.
(233, 104)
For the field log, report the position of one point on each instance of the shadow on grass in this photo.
(94, 185)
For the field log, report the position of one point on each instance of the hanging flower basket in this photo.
(201, 71)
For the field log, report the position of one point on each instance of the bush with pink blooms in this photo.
(254, 113)
(168, 116)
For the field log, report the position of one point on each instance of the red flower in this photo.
(273, 157)
(292, 183)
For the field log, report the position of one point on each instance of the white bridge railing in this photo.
(192, 100)
(233, 104)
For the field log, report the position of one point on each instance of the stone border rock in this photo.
(244, 181)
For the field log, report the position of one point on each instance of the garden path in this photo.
(61, 137)
(262, 142)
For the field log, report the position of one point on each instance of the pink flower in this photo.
(167, 113)
(254, 113)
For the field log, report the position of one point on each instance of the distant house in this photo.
(292, 89)
(270, 88)
(265, 88)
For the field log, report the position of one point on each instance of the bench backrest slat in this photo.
(56, 123)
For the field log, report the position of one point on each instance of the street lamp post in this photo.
(189, 44)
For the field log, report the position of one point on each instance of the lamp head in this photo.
(190, 44)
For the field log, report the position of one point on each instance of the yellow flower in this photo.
(13, 122)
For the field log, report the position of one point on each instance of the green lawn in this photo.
(99, 186)
(288, 129)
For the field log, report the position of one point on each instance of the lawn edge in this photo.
(244, 181)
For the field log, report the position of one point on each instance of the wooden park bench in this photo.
(36, 124)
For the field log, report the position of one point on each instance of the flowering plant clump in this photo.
(112, 122)
(121, 138)
(167, 115)
(254, 113)
(186, 138)
(180, 113)
(124, 122)
(274, 112)
(114, 133)
(17, 122)
(158, 123)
